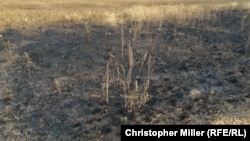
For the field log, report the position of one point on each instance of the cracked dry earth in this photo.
(51, 77)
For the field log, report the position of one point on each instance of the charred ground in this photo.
(51, 77)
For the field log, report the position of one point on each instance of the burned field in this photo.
(54, 79)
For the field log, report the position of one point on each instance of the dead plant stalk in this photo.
(107, 83)
(131, 65)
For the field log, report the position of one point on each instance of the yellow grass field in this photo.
(35, 13)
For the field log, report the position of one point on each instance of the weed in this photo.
(133, 87)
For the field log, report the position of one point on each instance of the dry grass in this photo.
(134, 94)
(34, 13)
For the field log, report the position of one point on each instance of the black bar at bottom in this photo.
(204, 132)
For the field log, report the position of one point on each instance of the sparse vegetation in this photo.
(135, 88)
(77, 70)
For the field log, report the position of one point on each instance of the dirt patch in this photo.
(51, 78)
